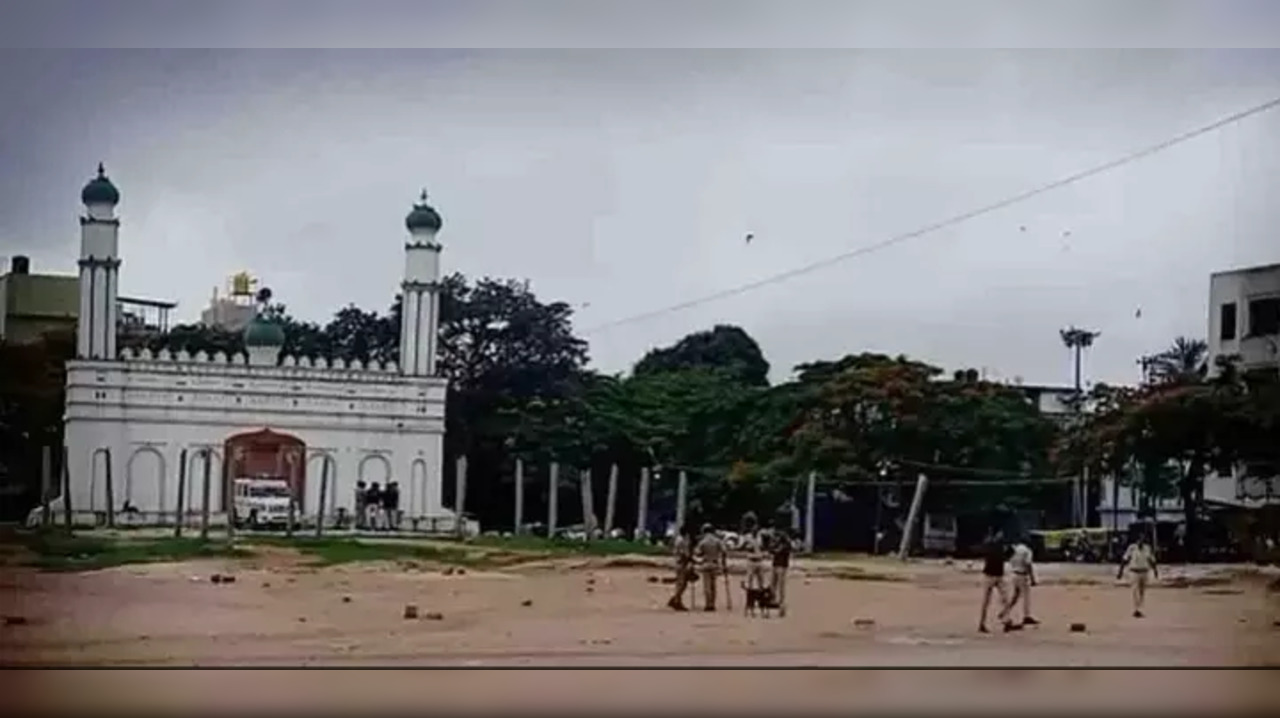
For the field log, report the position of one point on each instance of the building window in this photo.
(1264, 316)
(1227, 327)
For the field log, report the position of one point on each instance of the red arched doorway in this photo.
(265, 453)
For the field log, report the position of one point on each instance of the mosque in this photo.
(131, 416)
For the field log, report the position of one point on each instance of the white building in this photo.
(130, 418)
(1244, 316)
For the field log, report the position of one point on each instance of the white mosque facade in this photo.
(132, 416)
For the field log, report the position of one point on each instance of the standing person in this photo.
(373, 506)
(710, 555)
(682, 548)
(753, 547)
(1022, 566)
(1140, 560)
(362, 503)
(391, 506)
(993, 555)
(780, 548)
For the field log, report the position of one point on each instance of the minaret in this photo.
(420, 305)
(99, 269)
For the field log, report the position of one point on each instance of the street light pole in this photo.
(1077, 340)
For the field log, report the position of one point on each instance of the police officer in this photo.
(711, 559)
(1140, 559)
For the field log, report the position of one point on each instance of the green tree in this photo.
(724, 347)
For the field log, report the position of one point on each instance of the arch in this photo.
(264, 452)
(369, 476)
(147, 494)
(310, 496)
(98, 485)
(195, 476)
(418, 495)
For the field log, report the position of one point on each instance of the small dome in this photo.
(100, 190)
(263, 333)
(423, 217)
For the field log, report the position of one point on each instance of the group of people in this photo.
(1138, 560)
(378, 507)
(706, 560)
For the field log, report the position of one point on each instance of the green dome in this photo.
(423, 217)
(100, 190)
(263, 333)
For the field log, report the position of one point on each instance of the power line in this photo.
(943, 224)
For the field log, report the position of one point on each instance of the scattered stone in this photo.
(1275, 624)
(228, 578)
(302, 619)
(216, 578)
(266, 584)
(346, 599)
(434, 616)
(448, 571)
(949, 562)
(668, 579)
(526, 603)
(653, 579)
(864, 622)
(590, 590)
(1077, 628)
(291, 580)
(591, 582)
(462, 571)
(15, 620)
(410, 612)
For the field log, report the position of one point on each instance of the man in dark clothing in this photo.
(780, 549)
(373, 506)
(362, 501)
(391, 506)
(994, 553)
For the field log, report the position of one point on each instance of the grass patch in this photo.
(336, 551)
(57, 551)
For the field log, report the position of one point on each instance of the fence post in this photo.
(553, 497)
(460, 495)
(208, 486)
(182, 494)
(324, 494)
(111, 492)
(808, 511)
(913, 516)
(66, 490)
(588, 503)
(611, 500)
(642, 504)
(519, 496)
(682, 488)
(46, 483)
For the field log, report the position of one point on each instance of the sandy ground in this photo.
(587, 615)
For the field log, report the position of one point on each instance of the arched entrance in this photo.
(265, 453)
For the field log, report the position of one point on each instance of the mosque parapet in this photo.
(240, 359)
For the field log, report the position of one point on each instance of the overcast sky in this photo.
(624, 181)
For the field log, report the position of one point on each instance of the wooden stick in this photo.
(182, 495)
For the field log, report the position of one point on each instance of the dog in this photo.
(757, 599)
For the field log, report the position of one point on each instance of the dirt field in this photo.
(587, 614)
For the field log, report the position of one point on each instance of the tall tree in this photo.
(725, 347)
(1185, 361)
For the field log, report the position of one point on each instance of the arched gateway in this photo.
(254, 454)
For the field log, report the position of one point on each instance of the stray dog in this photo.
(757, 599)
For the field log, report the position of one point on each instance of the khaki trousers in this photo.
(1021, 590)
(708, 577)
(1138, 581)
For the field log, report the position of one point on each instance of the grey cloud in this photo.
(626, 181)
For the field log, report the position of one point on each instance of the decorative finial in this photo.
(423, 197)
(102, 172)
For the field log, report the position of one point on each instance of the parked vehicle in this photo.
(260, 502)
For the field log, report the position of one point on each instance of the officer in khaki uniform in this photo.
(711, 560)
(780, 549)
(1140, 559)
